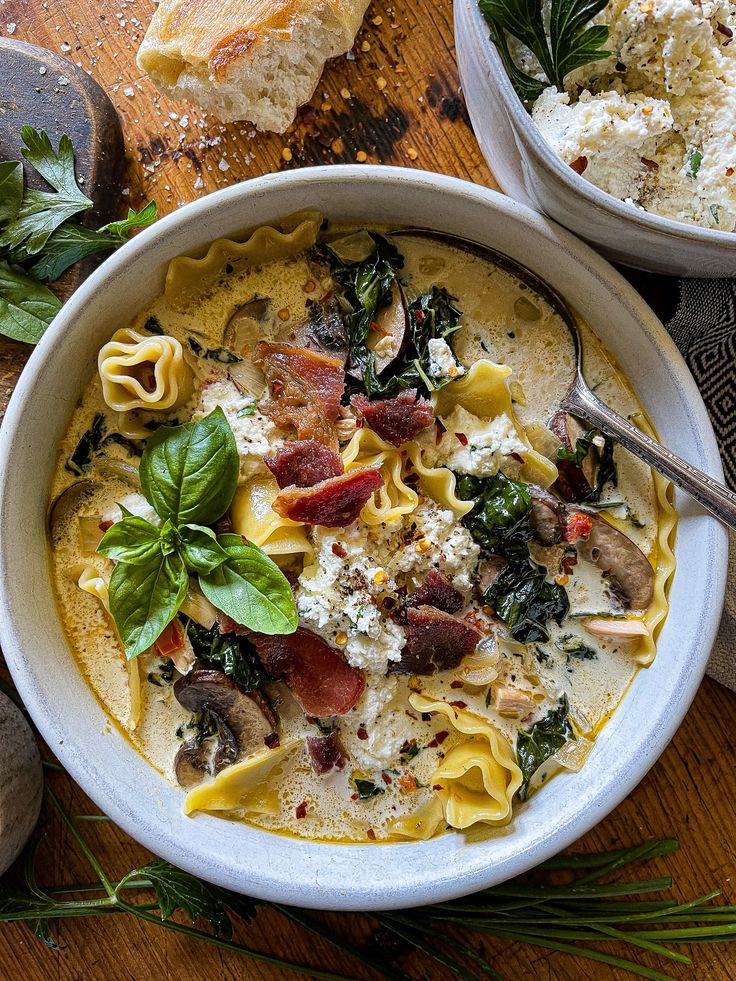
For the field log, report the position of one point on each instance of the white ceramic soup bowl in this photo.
(138, 798)
(528, 169)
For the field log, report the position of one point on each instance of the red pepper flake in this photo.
(104, 525)
(568, 563)
(420, 316)
(462, 439)
(272, 740)
(339, 550)
(441, 736)
(456, 684)
(579, 525)
(729, 171)
(353, 797)
(440, 431)
(386, 777)
(362, 732)
(515, 456)
(276, 387)
(579, 164)
(437, 786)
(301, 811)
(478, 622)
(650, 164)
(459, 704)
(371, 834)
(725, 31)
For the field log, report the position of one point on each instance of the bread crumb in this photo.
(345, 93)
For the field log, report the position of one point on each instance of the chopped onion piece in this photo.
(90, 533)
(353, 248)
(112, 466)
(617, 629)
(574, 753)
(197, 607)
(480, 667)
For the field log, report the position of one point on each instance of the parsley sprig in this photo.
(38, 239)
(568, 43)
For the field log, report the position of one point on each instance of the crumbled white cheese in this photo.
(655, 120)
(340, 594)
(475, 446)
(442, 362)
(384, 723)
(255, 434)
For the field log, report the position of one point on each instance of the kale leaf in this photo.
(232, 653)
(523, 599)
(499, 520)
(534, 746)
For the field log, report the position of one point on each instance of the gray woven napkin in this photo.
(704, 329)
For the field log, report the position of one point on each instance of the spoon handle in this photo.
(712, 494)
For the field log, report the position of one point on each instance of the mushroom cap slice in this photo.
(252, 322)
(547, 516)
(573, 483)
(389, 335)
(67, 505)
(629, 570)
(244, 718)
(191, 763)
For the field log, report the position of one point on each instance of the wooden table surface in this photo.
(394, 100)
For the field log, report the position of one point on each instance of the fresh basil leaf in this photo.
(72, 242)
(499, 520)
(133, 540)
(233, 653)
(523, 599)
(200, 549)
(534, 746)
(145, 598)
(11, 189)
(250, 588)
(41, 212)
(27, 307)
(189, 473)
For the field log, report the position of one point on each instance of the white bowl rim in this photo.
(548, 159)
(435, 884)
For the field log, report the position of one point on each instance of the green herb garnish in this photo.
(189, 475)
(220, 354)
(693, 162)
(575, 647)
(499, 520)
(567, 45)
(606, 470)
(534, 746)
(523, 599)
(38, 241)
(232, 653)
(367, 789)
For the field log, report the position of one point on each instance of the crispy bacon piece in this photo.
(318, 675)
(332, 503)
(305, 389)
(436, 641)
(325, 753)
(396, 420)
(304, 462)
(437, 591)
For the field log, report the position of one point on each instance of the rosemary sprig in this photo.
(565, 44)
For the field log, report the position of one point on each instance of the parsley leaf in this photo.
(41, 212)
(535, 746)
(11, 189)
(72, 242)
(568, 45)
(27, 307)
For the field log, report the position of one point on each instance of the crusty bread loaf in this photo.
(256, 60)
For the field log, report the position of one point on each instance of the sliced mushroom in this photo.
(389, 333)
(547, 516)
(191, 763)
(252, 322)
(117, 469)
(573, 483)
(489, 570)
(627, 568)
(618, 629)
(244, 718)
(325, 330)
(67, 505)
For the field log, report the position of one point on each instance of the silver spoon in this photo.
(581, 401)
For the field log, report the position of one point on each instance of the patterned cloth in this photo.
(704, 329)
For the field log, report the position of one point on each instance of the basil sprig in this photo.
(189, 475)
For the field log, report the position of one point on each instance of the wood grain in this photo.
(175, 153)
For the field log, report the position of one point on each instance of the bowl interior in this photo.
(121, 782)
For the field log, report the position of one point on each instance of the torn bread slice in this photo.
(256, 60)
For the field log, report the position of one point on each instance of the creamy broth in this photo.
(387, 743)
